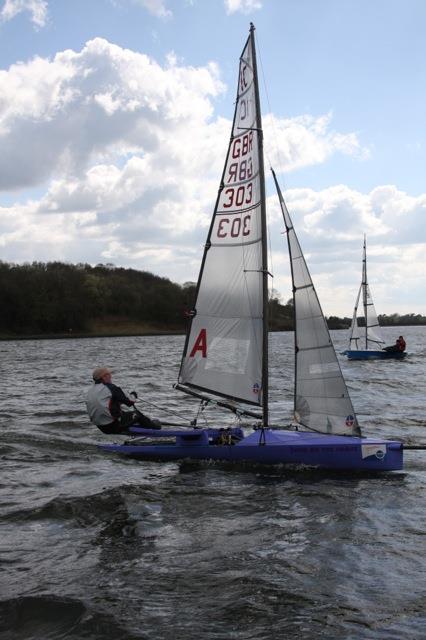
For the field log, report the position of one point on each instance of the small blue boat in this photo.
(364, 341)
(371, 354)
(225, 356)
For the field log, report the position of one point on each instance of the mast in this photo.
(265, 371)
(372, 327)
(364, 291)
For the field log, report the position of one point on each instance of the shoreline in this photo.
(84, 336)
(134, 334)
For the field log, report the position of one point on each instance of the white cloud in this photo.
(60, 116)
(37, 9)
(330, 225)
(292, 143)
(244, 6)
(127, 156)
(82, 110)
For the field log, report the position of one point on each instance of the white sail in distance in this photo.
(224, 353)
(321, 398)
(373, 338)
(368, 337)
(354, 333)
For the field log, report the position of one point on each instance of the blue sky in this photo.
(115, 115)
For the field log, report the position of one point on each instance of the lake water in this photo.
(98, 547)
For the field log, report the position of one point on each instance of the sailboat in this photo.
(225, 356)
(366, 343)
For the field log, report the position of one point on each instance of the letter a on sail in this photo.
(200, 344)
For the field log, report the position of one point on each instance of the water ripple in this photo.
(101, 547)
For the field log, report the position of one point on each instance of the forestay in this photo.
(223, 352)
(322, 401)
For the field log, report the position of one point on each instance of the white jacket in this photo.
(103, 403)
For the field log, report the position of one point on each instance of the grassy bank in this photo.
(98, 329)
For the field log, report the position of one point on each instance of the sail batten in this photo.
(317, 346)
(224, 351)
(321, 398)
(239, 244)
(195, 391)
(181, 387)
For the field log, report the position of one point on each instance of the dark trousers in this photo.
(126, 420)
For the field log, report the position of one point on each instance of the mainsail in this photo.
(321, 398)
(372, 336)
(225, 352)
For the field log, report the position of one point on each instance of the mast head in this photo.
(252, 27)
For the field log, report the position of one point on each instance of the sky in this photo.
(115, 117)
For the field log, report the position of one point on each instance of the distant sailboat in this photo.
(225, 356)
(366, 343)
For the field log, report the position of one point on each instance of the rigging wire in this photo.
(270, 257)
(272, 118)
(272, 141)
(203, 405)
(168, 411)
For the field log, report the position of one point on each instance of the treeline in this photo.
(62, 299)
(395, 320)
(54, 298)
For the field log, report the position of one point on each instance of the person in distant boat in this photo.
(401, 343)
(104, 401)
(399, 346)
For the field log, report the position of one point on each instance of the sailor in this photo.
(399, 346)
(104, 400)
(401, 343)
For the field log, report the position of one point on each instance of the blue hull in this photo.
(358, 354)
(279, 447)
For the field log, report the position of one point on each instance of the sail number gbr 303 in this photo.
(238, 190)
(237, 211)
